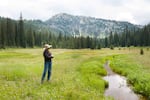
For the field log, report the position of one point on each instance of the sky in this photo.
(133, 11)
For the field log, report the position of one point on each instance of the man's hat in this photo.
(47, 46)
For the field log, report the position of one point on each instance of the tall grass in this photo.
(76, 75)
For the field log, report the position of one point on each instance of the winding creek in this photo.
(118, 87)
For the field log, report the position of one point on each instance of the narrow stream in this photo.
(118, 88)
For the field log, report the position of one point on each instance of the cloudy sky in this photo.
(134, 11)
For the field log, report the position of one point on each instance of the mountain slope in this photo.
(87, 26)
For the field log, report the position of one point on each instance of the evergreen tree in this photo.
(17, 36)
(3, 33)
(116, 39)
(111, 39)
(88, 42)
(22, 38)
(0, 35)
(30, 38)
(106, 42)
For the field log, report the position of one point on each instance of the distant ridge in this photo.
(87, 26)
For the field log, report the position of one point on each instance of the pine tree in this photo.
(22, 38)
(17, 36)
(88, 42)
(0, 35)
(116, 39)
(3, 33)
(106, 42)
(111, 39)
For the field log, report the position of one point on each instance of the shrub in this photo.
(141, 52)
(112, 47)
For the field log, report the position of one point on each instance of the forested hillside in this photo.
(23, 33)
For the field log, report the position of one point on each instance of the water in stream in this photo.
(118, 88)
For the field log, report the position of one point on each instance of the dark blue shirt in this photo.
(47, 55)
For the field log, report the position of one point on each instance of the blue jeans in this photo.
(47, 67)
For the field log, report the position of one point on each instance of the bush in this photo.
(112, 47)
(99, 46)
(141, 52)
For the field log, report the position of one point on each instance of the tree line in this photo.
(15, 33)
(140, 37)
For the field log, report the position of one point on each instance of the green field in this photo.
(76, 74)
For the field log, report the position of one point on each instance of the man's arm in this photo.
(48, 55)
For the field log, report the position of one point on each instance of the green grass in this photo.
(76, 74)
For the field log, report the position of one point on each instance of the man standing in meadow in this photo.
(47, 62)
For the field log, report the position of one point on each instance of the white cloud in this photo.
(126, 16)
(134, 11)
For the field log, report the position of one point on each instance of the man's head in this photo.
(47, 46)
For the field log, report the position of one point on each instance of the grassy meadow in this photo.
(76, 74)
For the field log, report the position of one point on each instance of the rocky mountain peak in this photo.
(87, 26)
